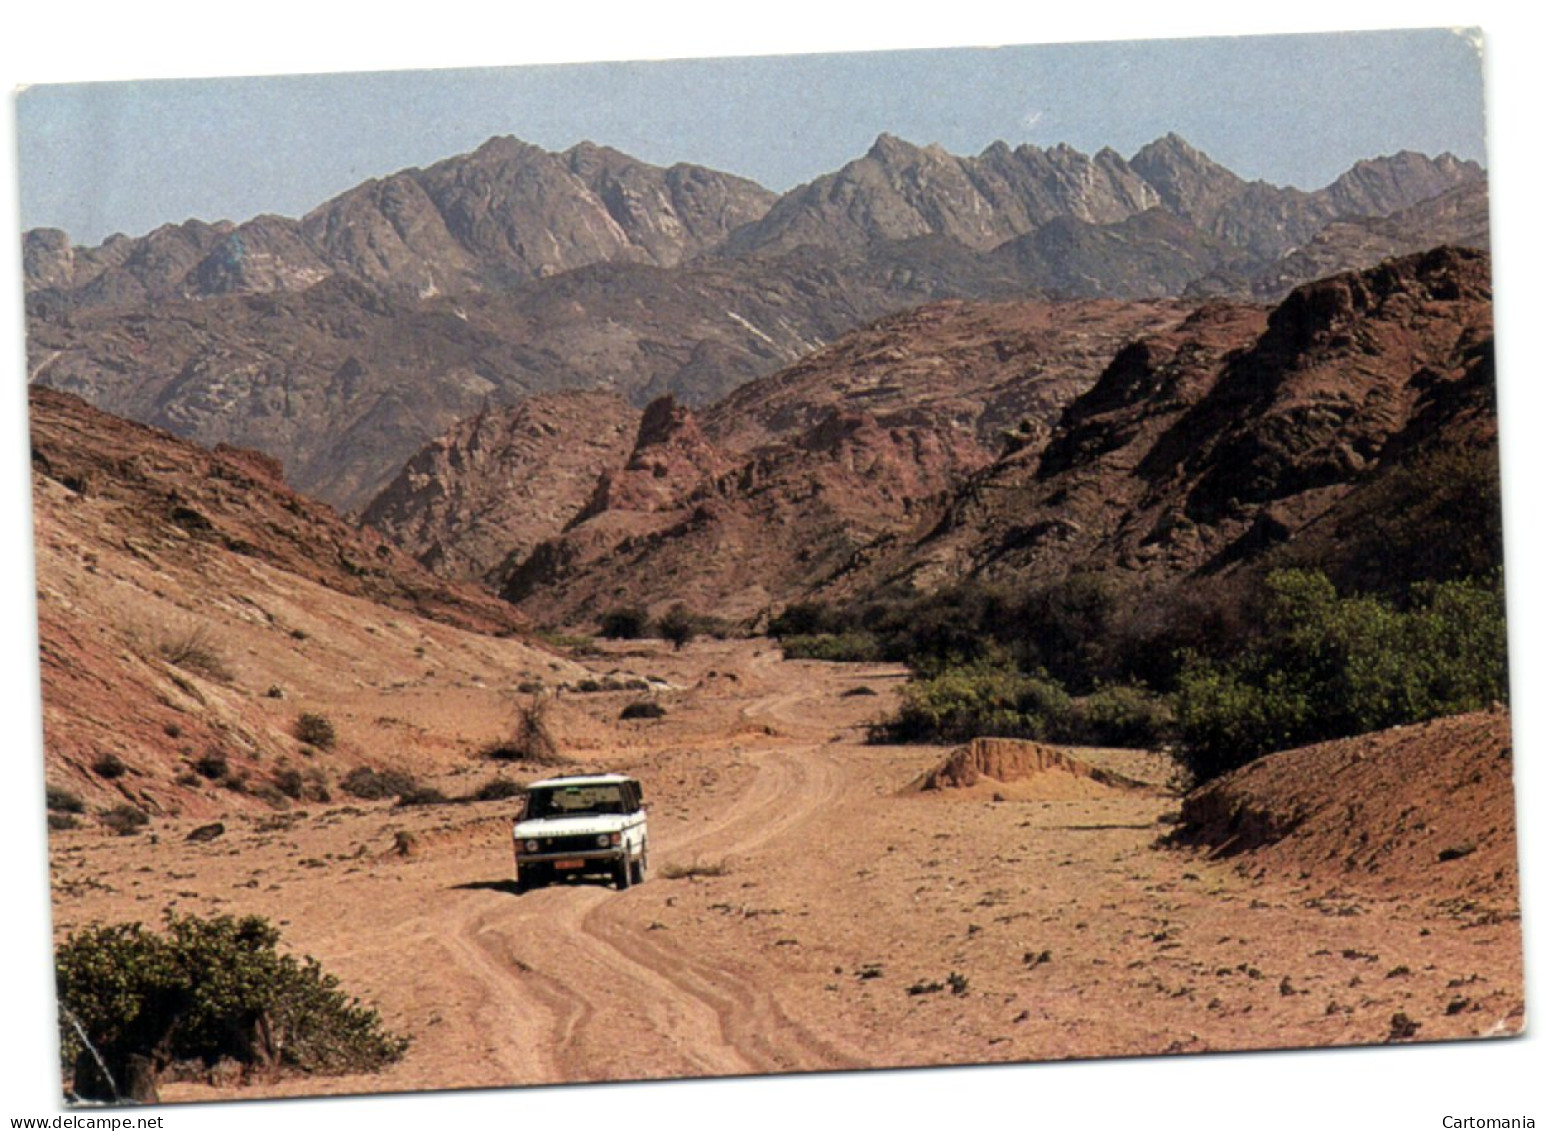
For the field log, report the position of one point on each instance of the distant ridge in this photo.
(342, 342)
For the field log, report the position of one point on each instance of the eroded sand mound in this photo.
(1426, 808)
(1020, 770)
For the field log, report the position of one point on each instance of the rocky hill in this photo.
(502, 481)
(777, 485)
(1019, 443)
(193, 611)
(1238, 433)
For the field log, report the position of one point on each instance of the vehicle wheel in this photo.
(640, 867)
(620, 875)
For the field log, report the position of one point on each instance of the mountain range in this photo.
(342, 342)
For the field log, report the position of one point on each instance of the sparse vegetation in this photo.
(678, 625)
(289, 782)
(373, 785)
(205, 990)
(422, 795)
(696, 868)
(578, 643)
(193, 650)
(58, 822)
(499, 789)
(310, 785)
(531, 741)
(315, 730)
(125, 819)
(62, 800)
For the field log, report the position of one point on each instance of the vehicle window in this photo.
(574, 800)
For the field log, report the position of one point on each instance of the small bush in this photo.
(194, 651)
(63, 801)
(696, 868)
(373, 785)
(58, 822)
(625, 624)
(499, 789)
(530, 741)
(110, 767)
(422, 795)
(212, 766)
(205, 990)
(678, 625)
(645, 710)
(1121, 715)
(291, 783)
(315, 730)
(125, 820)
(297, 786)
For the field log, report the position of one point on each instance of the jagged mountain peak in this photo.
(889, 147)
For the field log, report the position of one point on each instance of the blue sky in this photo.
(96, 158)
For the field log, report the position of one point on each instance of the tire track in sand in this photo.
(590, 992)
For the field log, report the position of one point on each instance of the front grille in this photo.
(567, 843)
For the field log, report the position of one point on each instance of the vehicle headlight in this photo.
(531, 846)
(606, 840)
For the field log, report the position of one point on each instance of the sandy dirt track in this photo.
(806, 912)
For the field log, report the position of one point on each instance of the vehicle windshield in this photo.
(573, 800)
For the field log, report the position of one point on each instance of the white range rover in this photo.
(581, 824)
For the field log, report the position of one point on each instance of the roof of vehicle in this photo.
(578, 779)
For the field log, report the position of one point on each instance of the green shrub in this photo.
(205, 990)
(316, 730)
(1122, 715)
(1329, 666)
(977, 700)
(58, 822)
(850, 647)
